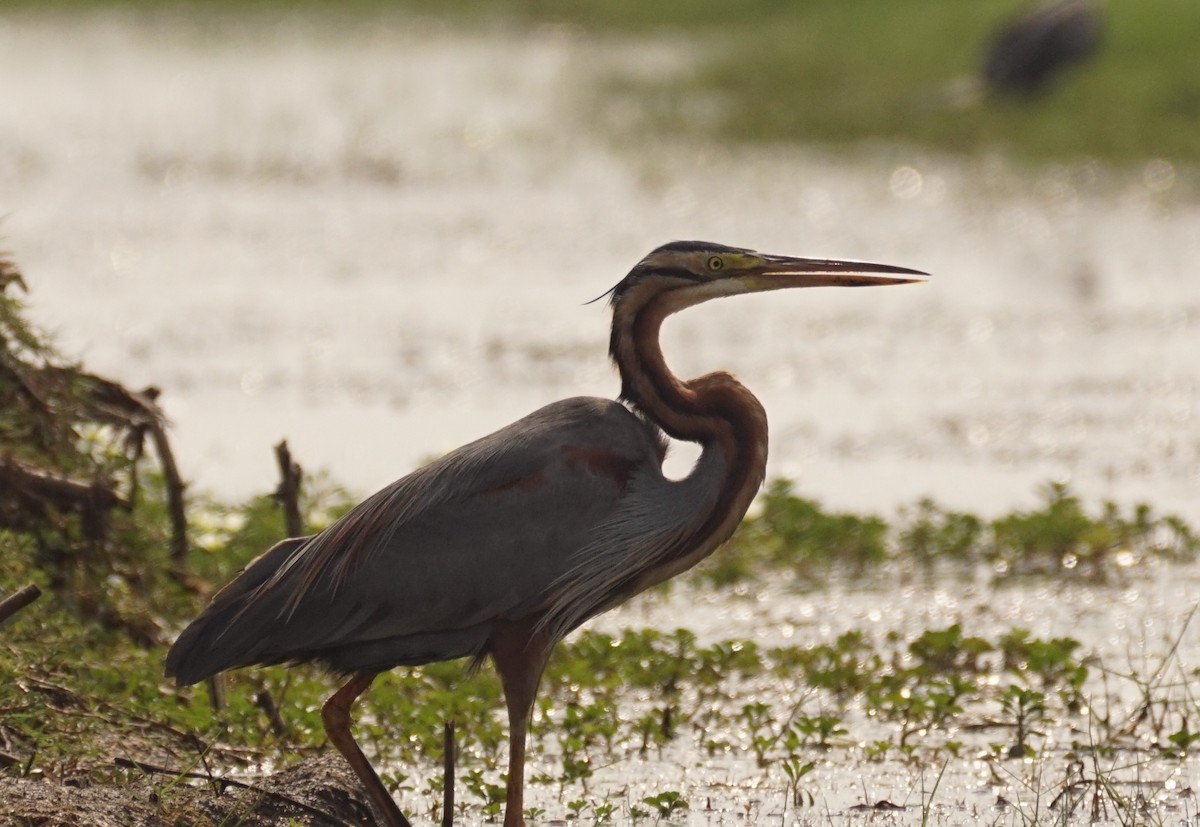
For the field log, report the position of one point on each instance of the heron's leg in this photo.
(520, 655)
(336, 715)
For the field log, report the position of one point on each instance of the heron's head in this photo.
(684, 273)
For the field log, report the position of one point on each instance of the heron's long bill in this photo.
(782, 271)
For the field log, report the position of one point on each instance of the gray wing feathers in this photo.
(655, 519)
(422, 569)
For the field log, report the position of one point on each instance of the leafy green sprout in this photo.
(667, 803)
(815, 730)
(1182, 739)
(1026, 708)
(490, 794)
(603, 811)
(796, 770)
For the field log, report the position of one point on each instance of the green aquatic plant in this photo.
(1182, 739)
(795, 535)
(813, 731)
(929, 535)
(1061, 538)
(1051, 663)
(758, 718)
(1026, 709)
(667, 803)
(603, 811)
(844, 668)
(796, 770)
(490, 794)
(949, 651)
(917, 702)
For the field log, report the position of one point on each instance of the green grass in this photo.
(848, 74)
(841, 73)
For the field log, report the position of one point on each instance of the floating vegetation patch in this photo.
(795, 536)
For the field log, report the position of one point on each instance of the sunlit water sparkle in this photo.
(377, 241)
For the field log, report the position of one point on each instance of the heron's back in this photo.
(424, 569)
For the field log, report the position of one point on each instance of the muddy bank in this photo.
(318, 791)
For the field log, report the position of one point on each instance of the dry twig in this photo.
(17, 601)
(288, 492)
(448, 759)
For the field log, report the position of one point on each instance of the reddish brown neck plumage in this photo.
(715, 410)
(713, 407)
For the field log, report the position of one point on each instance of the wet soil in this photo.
(319, 791)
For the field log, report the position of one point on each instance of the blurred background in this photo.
(371, 228)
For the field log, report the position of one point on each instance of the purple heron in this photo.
(502, 547)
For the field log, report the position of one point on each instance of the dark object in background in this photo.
(1026, 55)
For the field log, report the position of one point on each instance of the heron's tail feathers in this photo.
(222, 636)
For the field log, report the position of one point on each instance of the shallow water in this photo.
(1143, 627)
(376, 241)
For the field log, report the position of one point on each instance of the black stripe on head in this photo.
(643, 268)
(698, 247)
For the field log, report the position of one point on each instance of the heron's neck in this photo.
(713, 407)
(715, 410)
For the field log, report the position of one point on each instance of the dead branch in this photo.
(175, 496)
(264, 701)
(17, 601)
(288, 492)
(138, 413)
(448, 759)
(41, 488)
(216, 691)
(107, 401)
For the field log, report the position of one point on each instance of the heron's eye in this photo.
(715, 263)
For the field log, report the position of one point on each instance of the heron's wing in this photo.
(420, 570)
